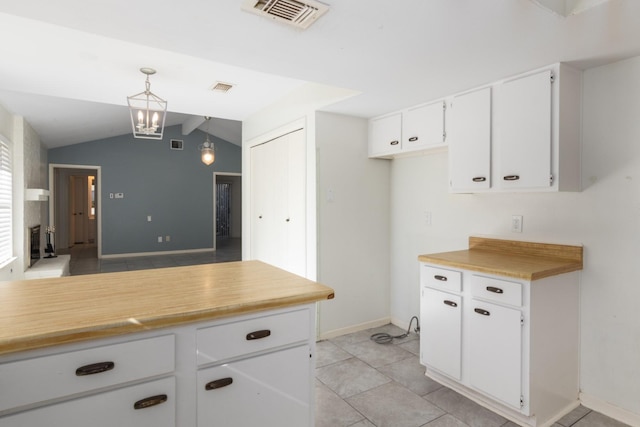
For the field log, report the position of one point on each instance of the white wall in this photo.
(604, 217)
(296, 108)
(353, 226)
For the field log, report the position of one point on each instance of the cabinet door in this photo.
(470, 141)
(495, 351)
(385, 135)
(271, 390)
(423, 127)
(525, 132)
(441, 331)
(150, 404)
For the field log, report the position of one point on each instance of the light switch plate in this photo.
(516, 223)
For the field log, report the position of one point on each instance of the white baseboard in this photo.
(355, 328)
(610, 410)
(141, 254)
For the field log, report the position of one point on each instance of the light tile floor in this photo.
(358, 383)
(84, 259)
(363, 384)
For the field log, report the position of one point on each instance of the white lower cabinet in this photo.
(270, 390)
(509, 344)
(150, 404)
(254, 369)
(441, 315)
(495, 341)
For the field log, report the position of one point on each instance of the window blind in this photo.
(6, 246)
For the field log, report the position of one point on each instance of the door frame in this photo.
(215, 199)
(52, 197)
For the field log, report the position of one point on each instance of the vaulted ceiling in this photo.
(68, 65)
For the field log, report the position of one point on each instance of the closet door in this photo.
(278, 202)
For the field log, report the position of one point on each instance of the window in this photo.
(6, 238)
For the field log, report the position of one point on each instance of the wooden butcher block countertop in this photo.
(44, 312)
(522, 260)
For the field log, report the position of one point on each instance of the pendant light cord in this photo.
(384, 338)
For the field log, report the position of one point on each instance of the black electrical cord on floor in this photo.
(384, 338)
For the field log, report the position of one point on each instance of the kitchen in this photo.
(603, 217)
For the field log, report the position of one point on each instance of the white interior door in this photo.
(278, 202)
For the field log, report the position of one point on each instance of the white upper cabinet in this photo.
(524, 132)
(385, 135)
(423, 127)
(415, 129)
(530, 126)
(518, 134)
(470, 141)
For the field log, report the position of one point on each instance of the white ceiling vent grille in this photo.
(221, 87)
(300, 14)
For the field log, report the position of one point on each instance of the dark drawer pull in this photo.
(495, 290)
(450, 303)
(440, 278)
(413, 139)
(396, 142)
(511, 177)
(482, 311)
(479, 179)
(150, 401)
(256, 335)
(94, 368)
(222, 382)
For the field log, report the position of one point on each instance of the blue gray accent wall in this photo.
(172, 186)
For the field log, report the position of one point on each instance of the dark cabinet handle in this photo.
(450, 303)
(479, 179)
(395, 142)
(482, 311)
(288, 219)
(495, 290)
(511, 177)
(222, 382)
(256, 335)
(94, 368)
(150, 401)
(413, 139)
(440, 278)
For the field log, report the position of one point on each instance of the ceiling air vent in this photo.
(300, 14)
(221, 87)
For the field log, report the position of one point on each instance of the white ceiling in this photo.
(68, 65)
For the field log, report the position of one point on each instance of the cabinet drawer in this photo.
(252, 335)
(440, 278)
(48, 377)
(268, 390)
(497, 290)
(155, 401)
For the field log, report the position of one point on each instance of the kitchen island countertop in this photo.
(46, 312)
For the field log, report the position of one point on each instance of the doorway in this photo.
(74, 207)
(227, 212)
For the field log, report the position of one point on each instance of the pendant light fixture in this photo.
(148, 111)
(207, 152)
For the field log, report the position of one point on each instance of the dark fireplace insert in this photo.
(34, 244)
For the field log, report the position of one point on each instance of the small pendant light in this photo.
(207, 151)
